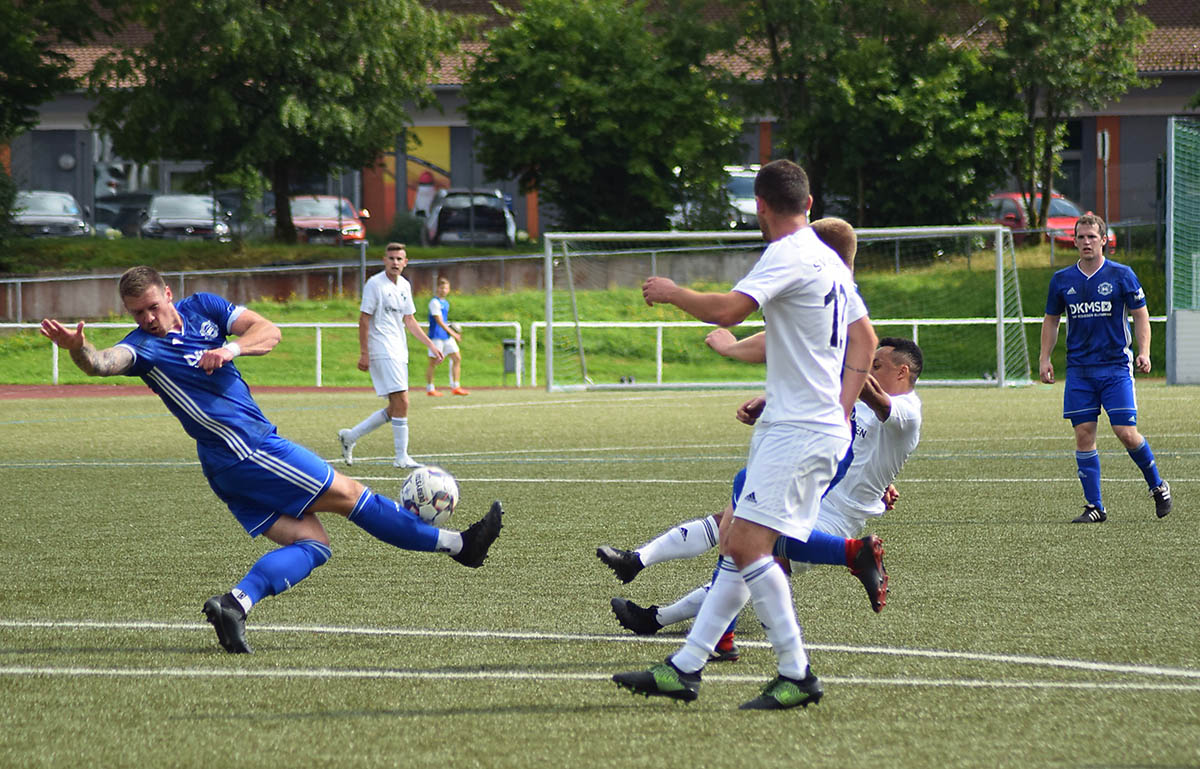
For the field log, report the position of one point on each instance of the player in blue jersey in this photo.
(445, 337)
(1099, 297)
(272, 486)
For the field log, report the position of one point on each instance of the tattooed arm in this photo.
(93, 362)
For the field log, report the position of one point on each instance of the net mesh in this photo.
(1184, 216)
(938, 286)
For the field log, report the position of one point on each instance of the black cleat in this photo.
(226, 615)
(1092, 514)
(782, 693)
(625, 563)
(661, 680)
(1162, 499)
(479, 536)
(634, 618)
(868, 567)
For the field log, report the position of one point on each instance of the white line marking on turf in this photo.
(1107, 667)
(526, 675)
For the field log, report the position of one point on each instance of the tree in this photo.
(287, 87)
(891, 121)
(608, 111)
(1054, 56)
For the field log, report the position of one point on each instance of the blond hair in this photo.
(839, 235)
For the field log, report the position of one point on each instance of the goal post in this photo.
(1183, 251)
(973, 326)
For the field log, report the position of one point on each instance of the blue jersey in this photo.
(1097, 310)
(438, 307)
(215, 409)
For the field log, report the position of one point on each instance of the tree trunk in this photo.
(285, 231)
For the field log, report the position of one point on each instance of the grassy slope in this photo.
(944, 291)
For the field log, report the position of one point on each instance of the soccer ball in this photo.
(431, 493)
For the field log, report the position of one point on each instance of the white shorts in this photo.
(389, 376)
(788, 470)
(448, 346)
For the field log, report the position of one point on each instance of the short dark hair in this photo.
(395, 247)
(908, 350)
(1094, 220)
(783, 187)
(138, 280)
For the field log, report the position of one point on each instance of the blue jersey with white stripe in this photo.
(215, 409)
(441, 307)
(1097, 310)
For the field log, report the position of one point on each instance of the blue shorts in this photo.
(279, 478)
(1083, 397)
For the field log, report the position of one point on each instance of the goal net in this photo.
(954, 290)
(1183, 251)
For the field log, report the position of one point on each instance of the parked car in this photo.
(121, 213)
(1008, 208)
(185, 217)
(741, 213)
(43, 213)
(328, 220)
(469, 216)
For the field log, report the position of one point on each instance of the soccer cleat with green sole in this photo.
(661, 680)
(782, 693)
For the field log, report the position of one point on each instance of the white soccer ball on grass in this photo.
(431, 493)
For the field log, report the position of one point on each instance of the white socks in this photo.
(684, 541)
(376, 420)
(400, 437)
(772, 596)
(725, 599)
(685, 608)
(762, 582)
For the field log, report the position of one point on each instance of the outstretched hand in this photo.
(63, 336)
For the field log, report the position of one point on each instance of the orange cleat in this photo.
(459, 391)
(434, 393)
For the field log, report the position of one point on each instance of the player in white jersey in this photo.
(272, 486)
(819, 346)
(887, 430)
(386, 310)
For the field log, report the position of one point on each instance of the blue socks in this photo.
(1088, 463)
(280, 569)
(386, 521)
(820, 548)
(1143, 457)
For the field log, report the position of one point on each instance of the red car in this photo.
(1008, 208)
(328, 220)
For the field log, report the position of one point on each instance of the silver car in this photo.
(47, 214)
(469, 217)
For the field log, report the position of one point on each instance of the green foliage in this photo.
(291, 88)
(1054, 57)
(595, 103)
(406, 228)
(891, 123)
(8, 196)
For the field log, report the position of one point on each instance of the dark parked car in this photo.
(471, 217)
(185, 217)
(43, 213)
(121, 212)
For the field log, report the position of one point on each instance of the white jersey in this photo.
(880, 450)
(387, 303)
(808, 298)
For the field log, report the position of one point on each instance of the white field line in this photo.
(524, 675)
(1011, 659)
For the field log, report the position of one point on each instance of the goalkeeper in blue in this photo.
(1099, 297)
(273, 486)
(887, 428)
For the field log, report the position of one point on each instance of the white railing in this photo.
(915, 324)
(319, 327)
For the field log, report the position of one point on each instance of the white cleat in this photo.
(347, 446)
(406, 462)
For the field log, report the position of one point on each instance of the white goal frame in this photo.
(1000, 236)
